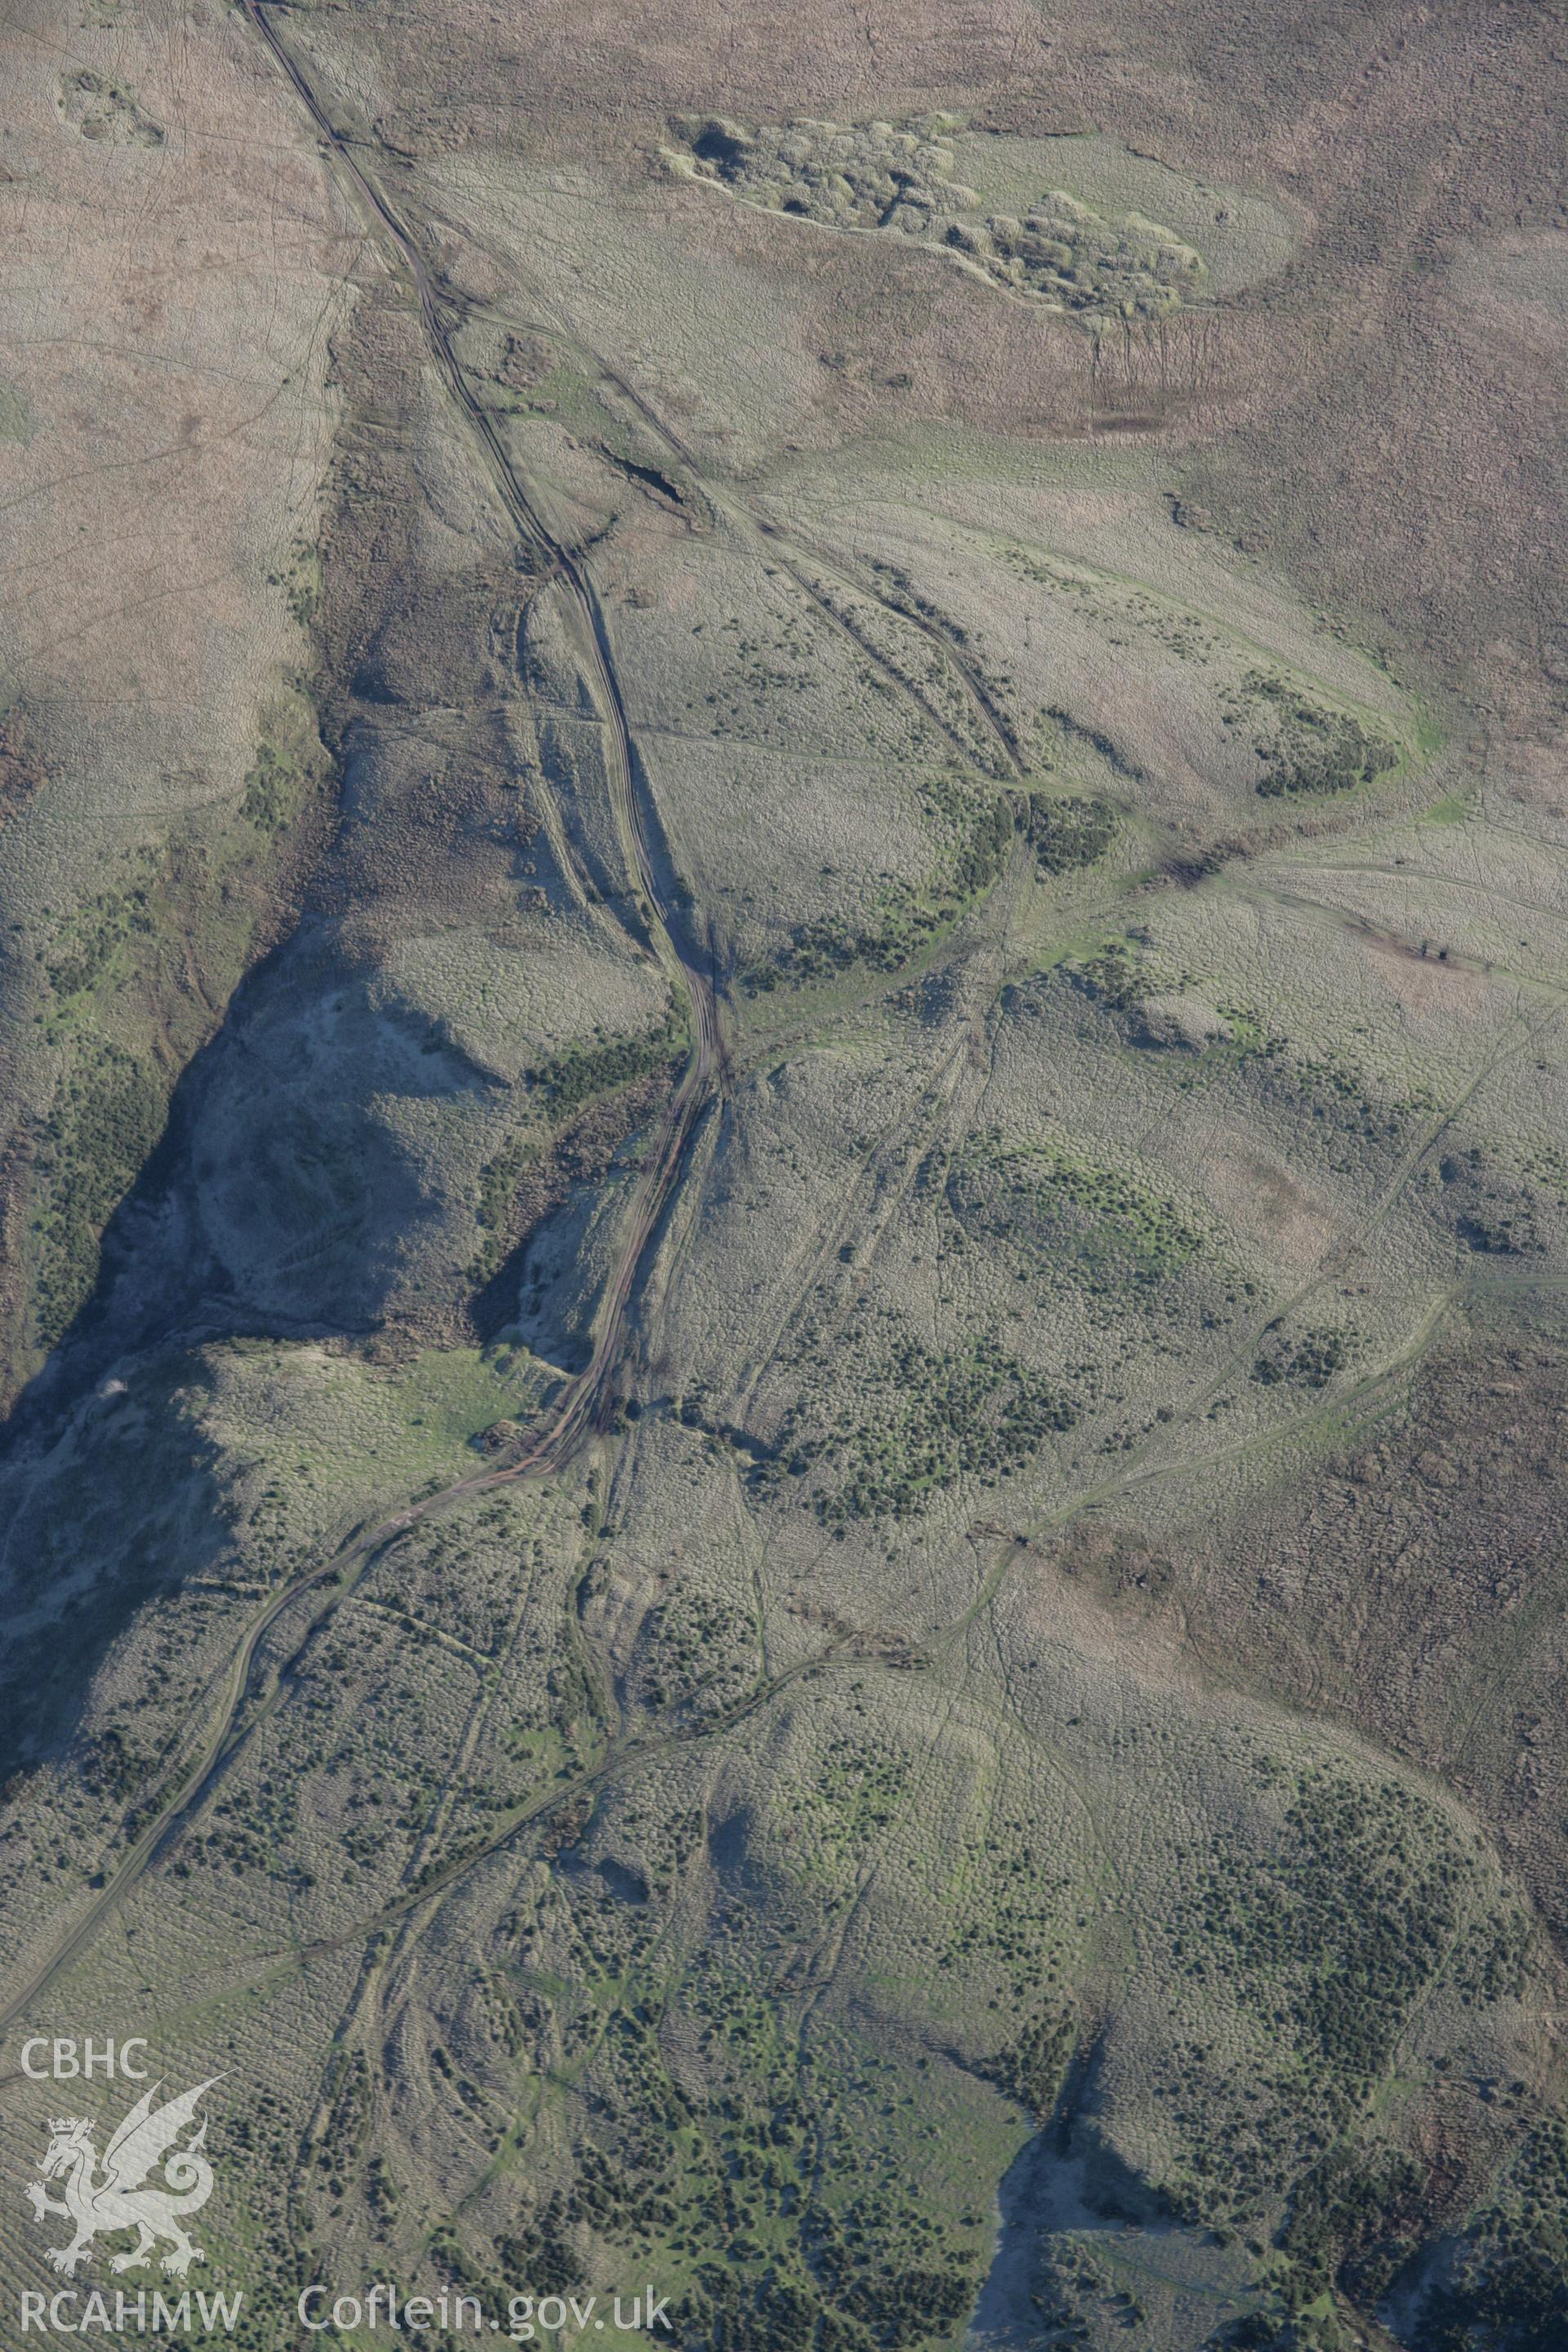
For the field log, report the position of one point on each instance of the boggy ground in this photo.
(1008, 1783)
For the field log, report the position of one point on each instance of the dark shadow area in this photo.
(109, 1324)
(1066, 2186)
(273, 1205)
(648, 475)
(150, 1484)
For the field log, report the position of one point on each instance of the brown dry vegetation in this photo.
(1006, 1764)
(1414, 1588)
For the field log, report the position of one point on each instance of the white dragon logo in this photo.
(121, 2199)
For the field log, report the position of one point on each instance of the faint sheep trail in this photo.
(586, 1395)
(581, 1403)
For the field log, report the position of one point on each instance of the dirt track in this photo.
(584, 1400)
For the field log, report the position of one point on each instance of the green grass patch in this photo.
(569, 1079)
(1454, 808)
(107, 1117)
(1070, 834)
(1104, 1223)
(924, 1421)
(89, 945)
(290, 763)
(971, 828)
(1307, 749)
